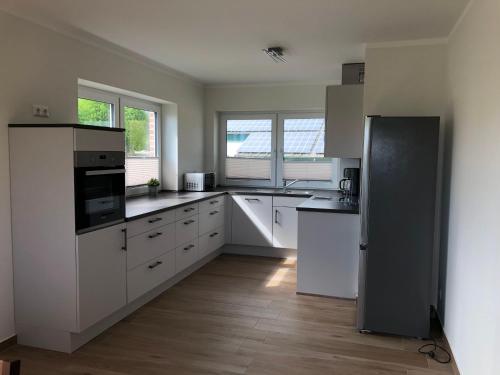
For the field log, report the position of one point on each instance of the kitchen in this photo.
(264, 268)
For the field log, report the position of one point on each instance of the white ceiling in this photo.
(220, 41)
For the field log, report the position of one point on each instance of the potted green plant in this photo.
(153, 185)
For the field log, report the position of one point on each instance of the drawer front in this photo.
(211, 241)
(145, 277)
(145, 224)
(186, 211)
(186, 255)
(209, 220)
(186, 230)
(211, 203)
(288, 201)
(149, 245)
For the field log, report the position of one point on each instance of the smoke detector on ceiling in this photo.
(276, 53)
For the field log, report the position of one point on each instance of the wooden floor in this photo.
(236, 315)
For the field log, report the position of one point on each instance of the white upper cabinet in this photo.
(344, 121)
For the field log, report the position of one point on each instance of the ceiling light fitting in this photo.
(275, 53)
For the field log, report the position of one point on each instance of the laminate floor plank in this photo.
(236, 315)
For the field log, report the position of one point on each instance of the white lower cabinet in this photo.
(145, 277)
(101, 270)
(186, 255)
(149, 245)
(211, 219)
(252, 220)
(211, 241)
(285, 227)
(186, 229)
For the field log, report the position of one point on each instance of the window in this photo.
(269, 149)
(141, 121)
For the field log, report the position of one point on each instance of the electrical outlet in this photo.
(40, 110)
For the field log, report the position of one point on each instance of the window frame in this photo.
(224, 117)
(277, 152)
(119, 102)
(101, 96)
(280, 159)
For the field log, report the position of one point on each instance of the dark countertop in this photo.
(335, 204)
(139, 207)
(75, 126)
(142, 206)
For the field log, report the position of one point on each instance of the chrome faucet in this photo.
(286, 186)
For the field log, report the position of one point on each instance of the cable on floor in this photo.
(431, 350)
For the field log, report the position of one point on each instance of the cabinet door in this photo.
(285, 227)
(344, 121)
(101, 274)
(252, 221)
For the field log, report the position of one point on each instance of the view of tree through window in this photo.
(140, 128)
(92, 112)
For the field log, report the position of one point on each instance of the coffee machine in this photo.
(349, 185)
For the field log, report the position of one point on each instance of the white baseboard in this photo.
(273, 252)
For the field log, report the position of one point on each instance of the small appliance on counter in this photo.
(349, 185)
(199, 181)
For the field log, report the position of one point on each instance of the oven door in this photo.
(99, 197)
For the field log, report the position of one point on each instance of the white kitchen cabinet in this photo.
(211, 241)
(328, 254)
(344, 121)
(102, 273)
(252, 220)
(285, 218)
(285, 227)
(149, 245)
(186, 255)
(186, 229)
(211, 219)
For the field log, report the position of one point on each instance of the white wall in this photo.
(472, 180)
(40, 66)
(249, 98)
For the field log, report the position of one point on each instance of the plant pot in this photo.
(153, 191)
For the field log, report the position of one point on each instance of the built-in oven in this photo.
(99, 189)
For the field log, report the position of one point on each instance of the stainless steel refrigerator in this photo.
(398, 201)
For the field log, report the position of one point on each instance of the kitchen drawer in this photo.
(186, 255)
(211, 241)
(211, 203)
(209, 220)
(149, 245)
(145, 277)
(288, 201)
(186, 230)
(154, 221)
(186, 211)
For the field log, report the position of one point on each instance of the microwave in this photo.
(199, 181)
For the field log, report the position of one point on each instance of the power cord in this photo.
(432, 353)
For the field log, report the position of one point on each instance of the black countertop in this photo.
(335, 204)
(318, 200)
(139, 207)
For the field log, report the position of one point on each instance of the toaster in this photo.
(199, 181)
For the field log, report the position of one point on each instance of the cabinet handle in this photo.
(276, 216)
(188, 222)
(154, 265)
(188, 247)
(151, 221)
(155, 235)
(214, 234)
(214, 212)
(124, 247)
(252, 199)
(214, 202)
(189, 209)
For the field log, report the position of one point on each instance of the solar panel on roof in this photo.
(249, 126)
(299, 142)
(304, 124)
(319, 148)
(256, 143)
